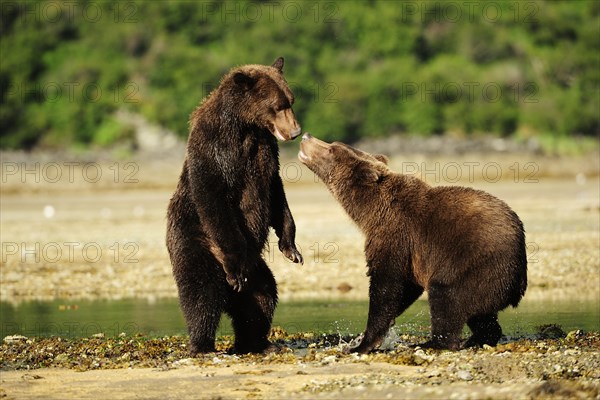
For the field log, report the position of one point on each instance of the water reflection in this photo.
(163, 317)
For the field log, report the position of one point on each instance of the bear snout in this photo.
(311, 147)
(285, 127)
(302, 154)
(296, 132)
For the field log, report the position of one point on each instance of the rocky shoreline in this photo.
(123, 215)
(550, 365)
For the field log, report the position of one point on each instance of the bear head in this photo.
(347, 172)
(259, 95)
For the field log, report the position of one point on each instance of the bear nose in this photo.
(306, 136)
(296, 133)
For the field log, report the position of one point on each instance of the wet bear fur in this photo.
(229, 194)
(465, 247)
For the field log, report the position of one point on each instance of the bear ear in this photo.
(367, 174)
(382, 158)
(245, 81)
(278, 64)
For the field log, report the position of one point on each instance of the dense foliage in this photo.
(357, 68)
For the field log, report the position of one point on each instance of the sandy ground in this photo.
(97, 232)
(215, 382)
(239, 382)
(157, 368)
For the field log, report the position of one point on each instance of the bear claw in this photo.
(295, 257)
(292, 254)
(238, 283)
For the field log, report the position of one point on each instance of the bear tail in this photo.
(520, 282)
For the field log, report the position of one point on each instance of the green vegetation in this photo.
(523, 68)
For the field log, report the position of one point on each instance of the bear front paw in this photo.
(291, 253)
(237, 282)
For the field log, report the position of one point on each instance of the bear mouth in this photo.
(302, 156)
(296, 133)
(279, 135)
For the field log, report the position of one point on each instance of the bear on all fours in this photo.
(465, 247)
(229, 194)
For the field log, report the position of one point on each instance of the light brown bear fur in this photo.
(465, 247)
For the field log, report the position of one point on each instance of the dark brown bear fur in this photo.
(228, 196)
(465, 247)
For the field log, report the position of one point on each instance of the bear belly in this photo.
(256, 215)
(419, 271)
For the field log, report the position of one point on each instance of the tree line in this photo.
(357, 68)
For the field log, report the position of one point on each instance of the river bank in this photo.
(93, 229)
(90, 241)
(550, 365)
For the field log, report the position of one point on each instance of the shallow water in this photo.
(163, 317)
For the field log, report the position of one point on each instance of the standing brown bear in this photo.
(229, 194)
(465, 247)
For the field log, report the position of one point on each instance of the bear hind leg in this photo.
(447, 319)
(202, 290)
(202, 336)
(202, 314)
(252, 312)
(486, 330)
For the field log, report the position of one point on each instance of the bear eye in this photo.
(283, 104)
(281, 107)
